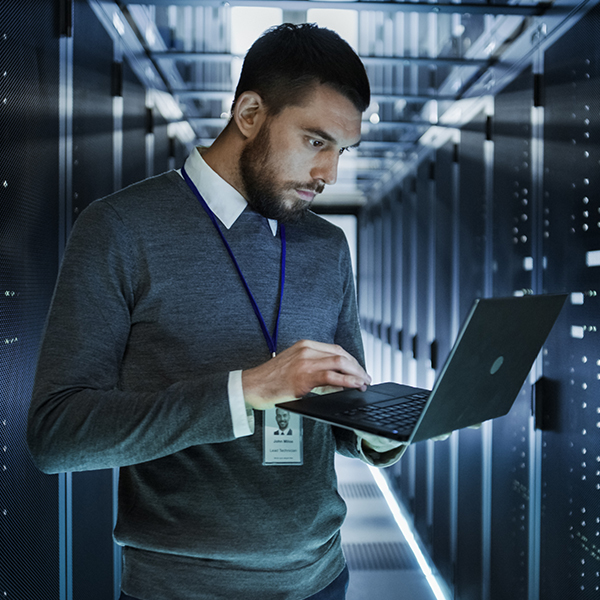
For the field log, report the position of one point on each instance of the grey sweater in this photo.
(148, 318)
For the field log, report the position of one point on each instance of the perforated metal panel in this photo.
(471, 214)
(377, 292)
(571, 443)
(92, 109)
(424, 230)
(421, 497)
(367, 284)
(29, 520)
(380, 556)
(399, 472)
(531, 237)
(409, 278)
(135, 125)
(445, 173)
(93, 128)
(396, 287)
(512, 271)
(162, 144)
(92, 535)
(425, 265)
(387, 297)
(409, 320)
(471, 253)
(513, 186)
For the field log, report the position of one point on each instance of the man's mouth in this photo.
(306, 195)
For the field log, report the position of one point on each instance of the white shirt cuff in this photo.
(242, 416)
(379, 446)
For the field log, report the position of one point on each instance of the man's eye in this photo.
(342, 150)
(316, 143)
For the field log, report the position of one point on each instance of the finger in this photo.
(343, 364)
(313, 349)
(298, 370)
(317, 367)
(337, 379)
(321, 347)
(310, 348)
(326, 389)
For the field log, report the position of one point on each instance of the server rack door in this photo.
(386, 289)
(396, 471)
(366, 283)
(377, 292)
(92, 109)
(363, 269)
(571, 442)
(471, 277)
(409, 279)
(396, 283)
(512, 273)
(409, 320)
(135, 126)
(162, 143)
(29, 246)
(93, 127)
(444, 242)
(424, 224)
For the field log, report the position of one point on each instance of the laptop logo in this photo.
(497, 364)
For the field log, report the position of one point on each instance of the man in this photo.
(186, 307)
(283, 421)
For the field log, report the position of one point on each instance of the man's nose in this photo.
(327, 168)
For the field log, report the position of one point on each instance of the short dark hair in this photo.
(287, 61)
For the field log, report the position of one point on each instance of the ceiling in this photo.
(423, 61)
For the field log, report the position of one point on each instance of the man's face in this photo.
(283, 418)
(296, 153)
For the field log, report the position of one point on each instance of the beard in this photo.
(263, 192)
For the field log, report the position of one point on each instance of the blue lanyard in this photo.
(271, 340)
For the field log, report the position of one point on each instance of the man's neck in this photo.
(223, 157)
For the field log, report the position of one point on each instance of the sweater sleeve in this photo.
(80, 418)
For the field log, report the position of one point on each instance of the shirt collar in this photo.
(223, 199)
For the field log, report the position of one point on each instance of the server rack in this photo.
(71, 107)
(29, 183)
(508, 204)
(511, 510)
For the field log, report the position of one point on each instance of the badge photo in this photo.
(282, 437)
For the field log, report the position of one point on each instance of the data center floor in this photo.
(381, 562)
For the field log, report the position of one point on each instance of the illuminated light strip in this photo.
(405, 528)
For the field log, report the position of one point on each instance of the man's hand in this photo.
(299, 369)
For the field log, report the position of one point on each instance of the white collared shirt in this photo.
(223, 199)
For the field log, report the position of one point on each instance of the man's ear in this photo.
(249, 113)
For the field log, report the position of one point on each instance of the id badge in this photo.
(282, 438)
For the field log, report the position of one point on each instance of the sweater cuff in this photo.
(242, 416)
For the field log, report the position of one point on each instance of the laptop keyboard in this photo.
(398, 415)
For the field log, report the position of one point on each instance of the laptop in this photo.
(481, 378)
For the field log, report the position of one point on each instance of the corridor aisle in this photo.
(382, 565)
